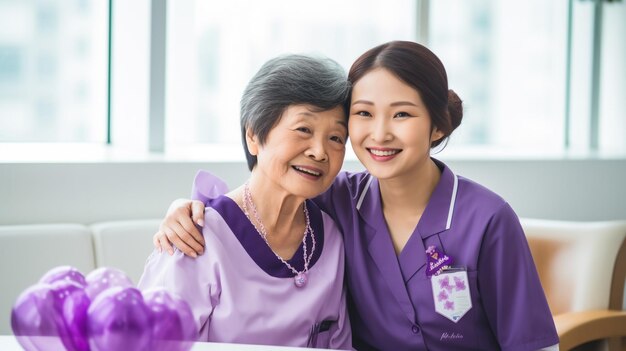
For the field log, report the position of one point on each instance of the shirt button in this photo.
(415, 329)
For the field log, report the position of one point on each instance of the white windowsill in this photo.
(99, 153)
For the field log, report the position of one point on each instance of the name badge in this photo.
(451, 293)
(437, 261)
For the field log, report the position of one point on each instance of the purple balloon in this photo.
(173, 325)
(64, 273)
(104, 278)
(118, 319)
(36, 321)
(72, 303)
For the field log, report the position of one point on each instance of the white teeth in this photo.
(384, 153)
(317, 174)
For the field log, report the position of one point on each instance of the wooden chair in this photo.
(582, 267)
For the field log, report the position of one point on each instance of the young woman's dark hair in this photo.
(426, 74)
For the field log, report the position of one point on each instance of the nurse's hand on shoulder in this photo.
(179, 228)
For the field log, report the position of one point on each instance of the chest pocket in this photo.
(472, 331)
(451, 294)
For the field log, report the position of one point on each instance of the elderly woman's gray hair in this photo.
(290, 80)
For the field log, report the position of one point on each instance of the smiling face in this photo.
(390, 128)
(303, 152)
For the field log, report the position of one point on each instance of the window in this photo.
(536, 77)
(53, 71)
(214, 48)
(522, 90)
(506, 60)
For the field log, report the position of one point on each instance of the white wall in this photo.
(90, 192)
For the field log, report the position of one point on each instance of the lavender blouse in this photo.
(240, 292)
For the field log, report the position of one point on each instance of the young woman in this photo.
(434, 261)
(274, 270)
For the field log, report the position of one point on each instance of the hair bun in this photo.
(455, 109)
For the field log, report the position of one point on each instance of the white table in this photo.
(9, 343)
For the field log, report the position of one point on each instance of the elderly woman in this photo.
(274, 270)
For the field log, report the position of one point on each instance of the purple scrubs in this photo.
(390, 297)
(240, 292)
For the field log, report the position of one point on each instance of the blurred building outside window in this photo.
(507, 61)
(53, 71)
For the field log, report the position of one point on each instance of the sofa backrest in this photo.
(27, 252)
(124, 245)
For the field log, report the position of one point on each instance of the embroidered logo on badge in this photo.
(451, 294)
(437, 261)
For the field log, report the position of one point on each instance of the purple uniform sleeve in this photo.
(338, 196)
(325, 201)
(514, 300)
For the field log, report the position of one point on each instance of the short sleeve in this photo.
(337, 198)
(512, 295)
(325, 200)
(182, 275)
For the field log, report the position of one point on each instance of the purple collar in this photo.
(256, 247)
(437, 215)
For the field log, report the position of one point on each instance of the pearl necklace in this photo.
(300, 279)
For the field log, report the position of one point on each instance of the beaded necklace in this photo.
(300, 278)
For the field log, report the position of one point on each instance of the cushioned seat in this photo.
(27, 252)
(582, 267)
(124, 244)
